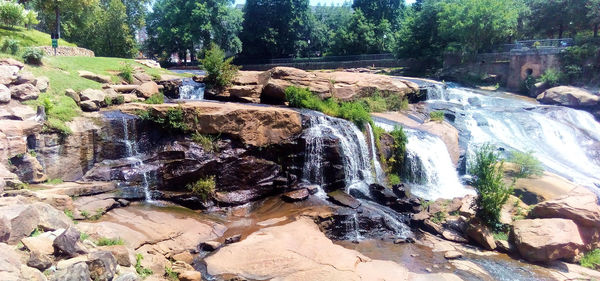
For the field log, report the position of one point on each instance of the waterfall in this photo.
(380, 175)
(429, 171)
(353, 147)
(190, 90)
(134, 157)
(565, 140)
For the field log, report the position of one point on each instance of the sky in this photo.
(323, 2)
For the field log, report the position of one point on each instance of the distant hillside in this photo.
(29, 38)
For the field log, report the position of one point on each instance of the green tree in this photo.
(112, 36)
(552, 18)
(275, 28)
(11, 13)
(378, 10)
(54, 13)
(220, 70)
(477, 25)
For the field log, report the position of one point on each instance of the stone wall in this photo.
(67, 51)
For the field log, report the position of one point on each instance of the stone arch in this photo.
(532, 69)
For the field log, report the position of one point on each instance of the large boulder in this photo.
(95, 96)
(544, 240)
(94, 77)
(147, 89)
(42, 83)
(4, 94)
(75, 272)
(67, 243)
(8, 74)
(24, 92)
(479, 233)
(569, 96)
(5, 229)
(102, 266)
(29, 169)
(25, 77)
(25, 219)
(580, 206)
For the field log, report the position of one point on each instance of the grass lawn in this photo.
(28, 38)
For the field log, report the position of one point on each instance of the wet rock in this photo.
(505, 247)
(147, 89)
(95, 77)
(67, 244)
(120, 253)
(29, 169)
(5, 229)
(343, 199)
(102, 265)
(24, 92)
(190, 275)
(171, 87)
(4, 94)
(233, 239)
(75, 272)
(296, 195)
(452, 255)
(39, 261)
(481, 234)
(210, 246)
(455, 236)
(544, 240)
(89, 106)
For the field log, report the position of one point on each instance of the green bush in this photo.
(487, 171)
(141, 271)
(394, 179)
(203, 188)
(59, 109)
(527, 164)
(11, 13)
(10, 46)
(54, 181)
(500, 235)
(551, 77)
(355, 112)
(103, 241)
(157, 98)
(172, 121)
(208, 142)
(437, 116)
(395, 163)
(33, 56)
(126, 72)
(30, 18)
(527, 84)
(591, 259)
(220, 71)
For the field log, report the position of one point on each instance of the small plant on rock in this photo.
(527, 164)
(438, 217)
(437, 116)
(103, 241)
(488, 172)
(141, 271)
(170, 274)
(126, 72)
(208, 142)
(203, 188)
(591, 259)
(157, 98)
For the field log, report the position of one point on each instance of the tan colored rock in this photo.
(544, 240)
(5, 95)
(24, 92)
(452, 255)
(13, 136)
(184, 257)
(149, 63)
(14, 110)
(124, 88)
(25, 77)
(580, 206)
(481, 234)
(568, 96)
(42, 83)
(120, 253)
(253, 125)
(39, 244)
(513, 207)
(78, 189)
(190, 275)
(94, 77)
(12, 62)
(448, 134)
(8, 74)
(24, 219)
(140, 78)
(279, 253)
(93, 95)
(147, 89)
(74, 95)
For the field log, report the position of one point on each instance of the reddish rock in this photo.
(481, 234)
(296, 195)
(147, 89)
(545, 240)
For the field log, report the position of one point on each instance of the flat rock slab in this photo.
(343, 199)
(78, 188)
(140, 225)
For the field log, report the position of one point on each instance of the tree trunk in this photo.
(57, 13)
(560, 31)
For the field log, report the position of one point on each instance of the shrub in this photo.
(208, 142)
(355, 112)
(220, 70)
(10, 46)
(591, 259)
(393, 179)
(500, 235)
(396, 162)
(487, 172)
(376, 103)
(103, 241)
(527, 84)
(33, 56)
(127, 72)
(170, 274)
(83, 236)
(11, 13)
(551, 77)
(157, 98)
(59, 109)
(30, 18)
(302, 98)
(54, 181)
(438, 217)
(172, 121)
(203, 188)
(141, 271)
(436, 116)
(527, 164)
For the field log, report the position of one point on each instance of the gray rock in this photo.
(67, 244)
(127, 277)
(74, 95)
(75, 272)
(29, 169)
(24, 92)
(8, 73)
(39, 261)
(89, 106)
(5, 229)
(102, 265)
(25, 78)
(96, 96)
(42, 83)
(4, 94)
(343, 199)
(36, 215)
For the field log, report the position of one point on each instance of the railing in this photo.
(535, 44)
(371, 57)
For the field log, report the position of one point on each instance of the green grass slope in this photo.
(30, 38)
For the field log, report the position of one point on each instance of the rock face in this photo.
(269, 86)
(102, 266)
(67, 244)
(544, 240)
(4, 94)
(147, 89)
(29, 169)
(580, 206)
(310, 256)
(24, 92)
(481, 234)
(25, 218)
(569, 96)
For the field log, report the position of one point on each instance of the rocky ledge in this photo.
(572, 97)
(269, 86)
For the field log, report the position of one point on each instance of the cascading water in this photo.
(380, 175)
(190, 90)
(429, 171)
(355, 154)
(565, 140)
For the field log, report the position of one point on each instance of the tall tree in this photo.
(275, 28)
(552, 18)
(52, 11)
(111, 34)
(377, 10)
